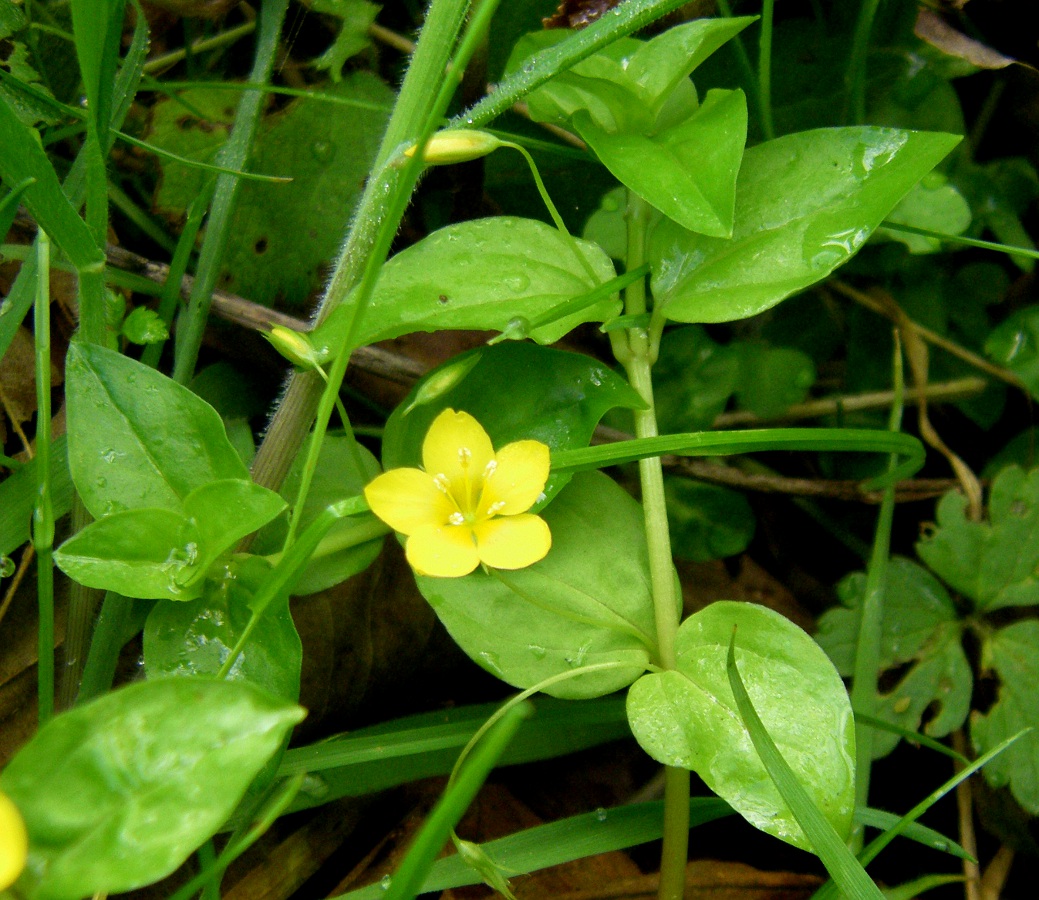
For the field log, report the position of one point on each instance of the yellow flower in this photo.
(470, 505)
(14, 842)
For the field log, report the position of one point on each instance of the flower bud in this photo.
(456, 145)
(295, 346)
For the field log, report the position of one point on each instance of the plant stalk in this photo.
(666, 603)
(43, 515)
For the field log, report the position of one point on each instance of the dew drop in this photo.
(323, 151)
(600, 814)
(517, 283)
(536, 651)
(101, 481)
(384, 884)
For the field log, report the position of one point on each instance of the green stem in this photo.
(43, 515)
(855, 77)
(553, 212)
(218, 230)
(410, 171)
(765, 70)
(666, 603)
(871, 622)
(294, 415)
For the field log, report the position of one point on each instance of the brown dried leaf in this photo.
(933, 29)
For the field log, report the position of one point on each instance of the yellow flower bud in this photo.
(295, 346)
(456, 145)
(14, 842)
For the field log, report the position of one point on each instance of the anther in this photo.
(440, 480)
(465, 456)
(490, 468)
(456, 518)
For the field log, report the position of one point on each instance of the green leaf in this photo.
(772, 379)
(933, 204)
(921, 635)
(16, 64)
(515, 391)
(136, 438)
(480, 274)
(587, 602)
(425, 745)
(143, 326)
(326, 148)
(357, 17)
(18, 496)
(993, 563)
(687, 171)
(195, 638)
(805, 203)
(150, 554)
(688, 717)
(337, 477)
(1014, 344)
(1013, 654)
(118, 792)
(625, 86)
(694, 379)
(21, 157)
(226, 511)
(707, 521)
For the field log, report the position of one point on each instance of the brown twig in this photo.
(965, 810)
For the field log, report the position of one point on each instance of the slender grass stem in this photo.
(855, 76)
(871, 620)
(218, 230)
(765, 70)
(43, 515)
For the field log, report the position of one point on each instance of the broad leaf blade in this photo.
(687, 171)
(117, 793)
(194, 639)
(150, 554)
(688, 717)
(136, 438)
(805, 203)
(481, 274)
(587, 602)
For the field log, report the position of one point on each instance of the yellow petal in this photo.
(446, 551)
(457, 447)
(408, 499)
(513, 542)
(14, 843)
(519, 478)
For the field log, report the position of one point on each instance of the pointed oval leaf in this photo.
(805, 203)
(688, 717)
(150, 554)
(226, 511)
(587, 602)
(687, 171)
(481, 274)
(117, 793)
(137, 438)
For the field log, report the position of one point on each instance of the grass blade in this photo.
(409, 877)
(844, 868)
